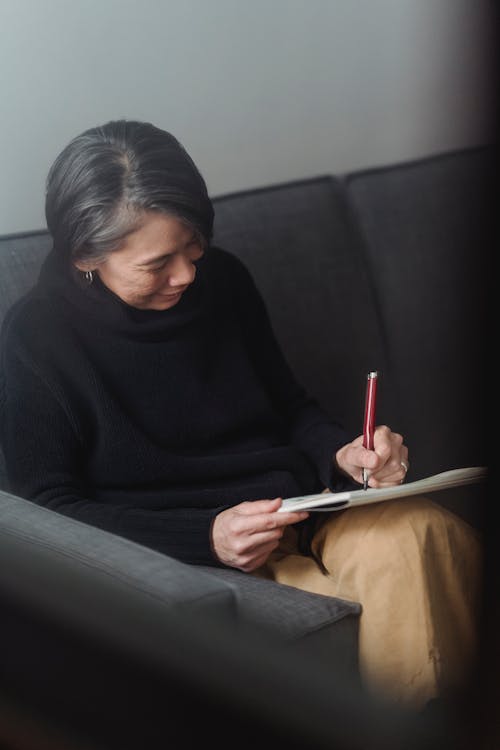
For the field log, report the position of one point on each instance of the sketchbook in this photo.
(329, 501)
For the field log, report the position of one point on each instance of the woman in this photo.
(145, 393)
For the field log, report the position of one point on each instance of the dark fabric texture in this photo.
(41, 550)
(302, 247)
(21, 257)
(149, 423)
(427, 231)
(283, 611)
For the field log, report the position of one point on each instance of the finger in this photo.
(388, 477)
(260, 540)
(255, 561)
(396, 465)
(251, 552)
(386, 444)
(356, 456)
(270, 521)
(370, 460)
(253, 507)
(383, 430)
(241, 521)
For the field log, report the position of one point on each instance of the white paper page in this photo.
(338, 500)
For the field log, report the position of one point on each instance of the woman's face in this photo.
(155, 264)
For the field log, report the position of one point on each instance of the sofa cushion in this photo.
(324, 627)
(21, 256)
(4, 484)
(302, 247)
(283, 609)
(426, 229)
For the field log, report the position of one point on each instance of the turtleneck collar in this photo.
(102, 307)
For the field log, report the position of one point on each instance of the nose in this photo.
(182, 272)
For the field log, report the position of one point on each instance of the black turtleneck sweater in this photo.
(149, 423)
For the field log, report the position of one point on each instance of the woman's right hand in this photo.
(244, 536)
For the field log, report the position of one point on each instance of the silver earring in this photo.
(89, 278)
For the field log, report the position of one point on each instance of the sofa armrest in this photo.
(64, 565)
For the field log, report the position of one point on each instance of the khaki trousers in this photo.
(415, 568)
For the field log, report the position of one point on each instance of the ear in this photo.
(84, 266)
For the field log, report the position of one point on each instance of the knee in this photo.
(414, 519)
(418, 528)
(416, 511)
(387, 532)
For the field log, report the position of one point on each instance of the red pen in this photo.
(369, 421)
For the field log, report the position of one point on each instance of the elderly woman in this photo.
(143, 391)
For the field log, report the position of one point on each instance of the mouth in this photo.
(175, 295)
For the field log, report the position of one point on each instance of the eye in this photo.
(158, 266)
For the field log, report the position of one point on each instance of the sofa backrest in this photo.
(21, 256)
(303, 249)
(381, 269)
(426, 230)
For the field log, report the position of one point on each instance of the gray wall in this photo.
(258, 92)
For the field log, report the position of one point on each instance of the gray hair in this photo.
(107, 177)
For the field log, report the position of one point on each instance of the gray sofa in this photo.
(109, 644)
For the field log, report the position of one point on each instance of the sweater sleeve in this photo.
(310, 429)
(43, 457)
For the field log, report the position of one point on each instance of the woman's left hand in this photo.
(387, 464)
